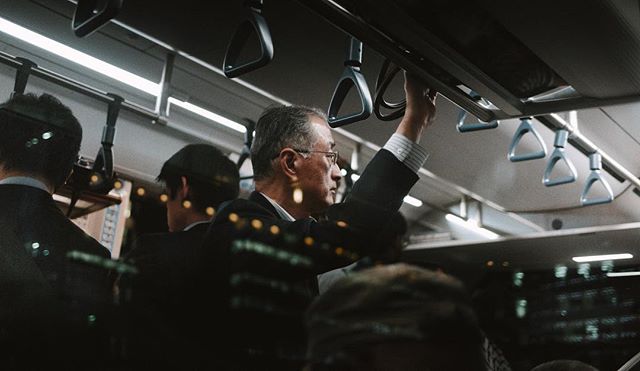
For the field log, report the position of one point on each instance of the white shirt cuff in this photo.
(406, 151)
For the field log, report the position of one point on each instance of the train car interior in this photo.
(530, 194)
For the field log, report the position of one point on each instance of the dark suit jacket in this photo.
(374, 199)
(160, 311)
(37, 284)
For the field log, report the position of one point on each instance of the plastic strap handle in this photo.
(87, 19)
(22, 75)
(595, 162)
(474, 126)
(351, 77)
(255, 23)
(525, 127)
(104, 159)
(248, 140)
(559, 154)
(387, 72)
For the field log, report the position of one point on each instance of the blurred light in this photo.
(208, 114)
(412, 201)
(308, 241)
(117, 184)
(343, 172)
(140, 191)
(79, 57)
(560, 271)
(210, 211)
(489, 263)
(186, 204)
(256, 223)
(164, 198)
(339, 251)
(472, 226)
(355, 177)
(47, 135)
(297, 195)
(35, 245)
(233, 217)
(595, 258)
(623, 274)
(94, 178)
(341, 224)
(274, 229)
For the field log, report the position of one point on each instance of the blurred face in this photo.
(318, 176)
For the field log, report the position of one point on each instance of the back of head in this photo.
(277, 128)
(40, 137)
(564, 365)
(212, 177)
(394, 317)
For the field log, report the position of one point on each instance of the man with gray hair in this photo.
(296, 178)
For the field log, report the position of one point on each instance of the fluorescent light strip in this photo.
(472, 226)
(623, 274)
(107, 69)
(412, 201)
(597, 258)
(79, 57)
(208, 114)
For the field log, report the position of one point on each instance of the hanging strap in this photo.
(254, 23)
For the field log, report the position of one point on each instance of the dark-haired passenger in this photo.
(197, 179)
(394, 317)
(39, 143)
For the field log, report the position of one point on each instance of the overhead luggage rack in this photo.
(495, 50)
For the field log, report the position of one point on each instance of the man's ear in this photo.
(183, 192)
(288, 162)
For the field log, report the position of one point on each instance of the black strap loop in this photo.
(257, 24)
(385, 77)
(351, 77)
(87, 19)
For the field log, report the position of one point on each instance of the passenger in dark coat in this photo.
(44, 299)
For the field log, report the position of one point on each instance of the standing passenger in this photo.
(39, 143)
(296, 176)
(197, 178)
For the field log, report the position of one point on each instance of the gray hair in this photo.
(280, 127)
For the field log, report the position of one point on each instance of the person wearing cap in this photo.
(197, 178)
(394, 317)
(39, 143)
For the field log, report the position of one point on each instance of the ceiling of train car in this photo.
(308, 61)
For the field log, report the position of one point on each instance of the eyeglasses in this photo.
(332, 156)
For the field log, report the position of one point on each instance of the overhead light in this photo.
(343, 172)
(355, 177)
(106, 69)
(412, 201)
(623, 274)
(208, 114)
(596, 258)
(472, 225)
(79, 57)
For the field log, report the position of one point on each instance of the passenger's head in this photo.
(564, 365)
(39, 137)
(394, 317)
(198, 178)
(293, 146)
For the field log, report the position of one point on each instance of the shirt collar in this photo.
(194, 224)
(25, 181)
(279, 209)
